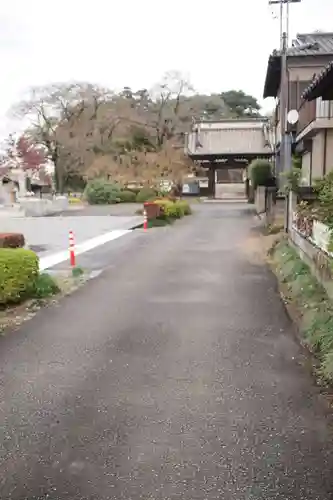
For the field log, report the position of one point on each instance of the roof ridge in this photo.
(317, 33)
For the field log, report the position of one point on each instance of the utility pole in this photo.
(285, 142)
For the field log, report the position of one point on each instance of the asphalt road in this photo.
(173, 375)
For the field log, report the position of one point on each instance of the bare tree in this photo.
(169, 105)
(57, 113)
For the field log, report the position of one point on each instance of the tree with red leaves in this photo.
(22, 153)
(31, 157)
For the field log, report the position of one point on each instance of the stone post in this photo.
(21, 178)
(211, 181)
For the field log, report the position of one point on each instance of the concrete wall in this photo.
(260, 199)
(319, 263)
(41, 207)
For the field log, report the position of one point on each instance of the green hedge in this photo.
(174, 209)
(19, 270)
(127, 196)
(102, 192)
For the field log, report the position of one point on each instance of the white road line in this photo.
(56, 258)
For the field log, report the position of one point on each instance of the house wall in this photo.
(329, 150)
(301, 71)
(305, 73)
(306, 169)
(320, 161)
(318, 155)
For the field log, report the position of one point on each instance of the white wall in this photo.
(318, 163)
(306, 169)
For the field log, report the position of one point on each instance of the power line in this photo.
(285, 141)
(284, 26)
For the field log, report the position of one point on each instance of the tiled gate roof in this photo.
(232, 137)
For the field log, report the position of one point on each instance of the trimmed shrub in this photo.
(260, 173)
(185, 206)
(19, 270)
(11, 240)
(127, 196)
(45, 286)
(102, 192)
(174, 209)
(145, 194)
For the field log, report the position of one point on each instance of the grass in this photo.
(77, 271)
(275, 228)
(313, 306)
(158, 222)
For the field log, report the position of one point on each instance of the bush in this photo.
(185, 206)
(127, 196)
(135, 190)
(74, 201)
(260, 173)
(45, 286)
(145, 194)
(174, 209)
(19, 270)
(11, 240)
(102, 192)
(324, 189)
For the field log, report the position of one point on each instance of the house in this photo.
(16, 183)
(308, 55)
(12, 183)
(8, 188)
(314, 133)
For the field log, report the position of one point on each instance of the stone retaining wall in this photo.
(320, 263)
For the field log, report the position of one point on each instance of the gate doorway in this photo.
(225, 148)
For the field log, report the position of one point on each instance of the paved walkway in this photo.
(174, 375)
(47, 235)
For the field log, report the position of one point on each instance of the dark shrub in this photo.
(102, 192)
(127, 196)
(260, 173)
(11, 240)
(45, 286)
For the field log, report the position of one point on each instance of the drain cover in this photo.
(38, 248)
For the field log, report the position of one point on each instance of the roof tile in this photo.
(232, 141)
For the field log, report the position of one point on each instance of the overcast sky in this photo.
(220, 44)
